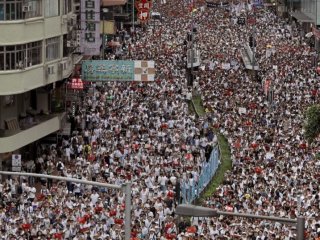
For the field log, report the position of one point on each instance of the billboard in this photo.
(118, 70)
(90, 40)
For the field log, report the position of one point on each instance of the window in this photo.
(1, 11)
(15, 57)
(51, 8)
(19, 9)
(66, 45)
(34, 53)
(32, 8)
(67, 6)
(11, 10)
(2, 58)
(52, 48)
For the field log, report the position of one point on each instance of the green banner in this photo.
(107, 70)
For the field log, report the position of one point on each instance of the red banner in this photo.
(76, 84)
(143, 15)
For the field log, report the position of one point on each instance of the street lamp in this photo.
(125, 188)
(104, 11)
(196, 211)
(133, 2)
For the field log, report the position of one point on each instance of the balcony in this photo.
(30, 30)
(37, 128)
(26, 79)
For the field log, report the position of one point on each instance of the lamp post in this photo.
(104, 11)
(197, 211)
(133, 2)
(192, 44)
(126, 188)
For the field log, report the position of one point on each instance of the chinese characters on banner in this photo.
(76, 84)
(118, 70)
(90, 40)
(143, 7)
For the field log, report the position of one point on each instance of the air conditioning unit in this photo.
(64, 65)
(70, 28)
(74, 17)
(70, 22)
(26, 8)
(60, 68)
(64, 19)
(46, 73)
(50, 70)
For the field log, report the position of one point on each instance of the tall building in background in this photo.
(37, 44)
(307, 14)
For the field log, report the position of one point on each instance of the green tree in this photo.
(312, 125)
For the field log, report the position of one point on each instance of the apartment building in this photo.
(37, 41)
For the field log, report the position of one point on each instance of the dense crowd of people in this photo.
(145, 134)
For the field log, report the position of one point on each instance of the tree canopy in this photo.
(312, 125)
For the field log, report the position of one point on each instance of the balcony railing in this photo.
(22, 133)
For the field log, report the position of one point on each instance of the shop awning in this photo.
(108, 3)
(301, 17)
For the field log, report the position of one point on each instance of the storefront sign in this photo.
(90, 40)
(104, 70)
(143, 7)
(143, 15)
(76, 84)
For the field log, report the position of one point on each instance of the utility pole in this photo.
(104, 11)
(254, 40)
(197, 211)
(253, 47)
(133, 2)
(192, 47)
(125, 188)
(190, 50)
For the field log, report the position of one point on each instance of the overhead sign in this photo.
(90, 40)
(118, 70)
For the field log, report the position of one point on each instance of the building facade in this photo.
(37, 44)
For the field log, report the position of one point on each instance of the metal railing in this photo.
(191, 191)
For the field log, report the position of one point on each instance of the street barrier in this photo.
(190, 192)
